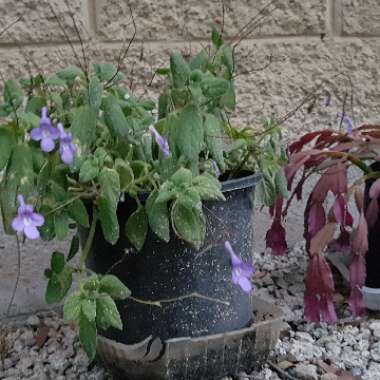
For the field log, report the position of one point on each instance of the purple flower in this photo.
(161, 141)
(67, 148)
(26, 220)
(241, 272)
(45, 133)
(346, 120)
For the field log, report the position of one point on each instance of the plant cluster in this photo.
(329, 224)
(76, 143)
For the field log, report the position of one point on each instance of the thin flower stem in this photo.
(159, 303)
(17, 276)
(90, 238)
(63, 205)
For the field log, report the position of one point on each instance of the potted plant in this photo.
(159, 196)
(329, 222)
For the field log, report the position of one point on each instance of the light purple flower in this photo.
(347, 121)
(26, 220)
(241, 271)
(161, 141)
(67, 148)
(45, 133)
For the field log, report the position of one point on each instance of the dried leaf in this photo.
(42, 336)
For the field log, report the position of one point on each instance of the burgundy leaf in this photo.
(316, 219)
(319, 291)
(360, 237)
(322, 239)
(340, 211)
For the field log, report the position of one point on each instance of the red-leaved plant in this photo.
(328, 154)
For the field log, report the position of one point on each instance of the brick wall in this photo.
(329, 43)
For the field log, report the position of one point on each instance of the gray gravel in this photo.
(305, 351)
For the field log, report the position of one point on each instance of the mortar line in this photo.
(8, 46)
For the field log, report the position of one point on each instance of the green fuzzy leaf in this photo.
(111, 285)
(265, 192)
(182, 178)
(180, 70)
(125, 173)
(214, 139)
(200, 61)
(107, 314)
(191, 199)
(95, 91)
(281, 183)
(83, 126)
(78, 212)
(57, 263)
(107, 71)
(72, 307)
(114, 117)
(158, 216)
(88, 307)
(47, 229)
(59, 285)
(35, 105)
(136, 227)
(228, 59)
(108, 202)
(214, 87)
(189, 135)
(208, 187)
(74, 248)
(92, 283)
(13, 94)
(87, 336)
(61, 225)
(89, 170)
(69, 74)
(228, 99)
(7, 141)
(54, 80)
(188, 224)
(216, 37)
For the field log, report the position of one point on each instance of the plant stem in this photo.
(17, 277)
(90, 238)
(159, 303)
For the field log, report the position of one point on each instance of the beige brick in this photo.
(361, 17)
(38, 22)
(180, 19)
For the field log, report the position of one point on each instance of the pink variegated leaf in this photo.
(357, 281)
(360, 237)
(342, 243)
(322, 239)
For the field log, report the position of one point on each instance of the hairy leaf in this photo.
(111, 285)
(136, 228)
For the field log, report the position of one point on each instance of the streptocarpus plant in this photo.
(75, 144)
(328, 155)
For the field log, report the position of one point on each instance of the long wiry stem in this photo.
(17, 277)
(159, 303)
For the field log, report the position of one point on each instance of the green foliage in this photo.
(118, 156)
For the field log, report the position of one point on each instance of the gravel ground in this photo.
(44, 347)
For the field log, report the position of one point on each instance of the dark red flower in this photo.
(275, 238)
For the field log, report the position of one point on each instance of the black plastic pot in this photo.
(373, 254)
(165, 271)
